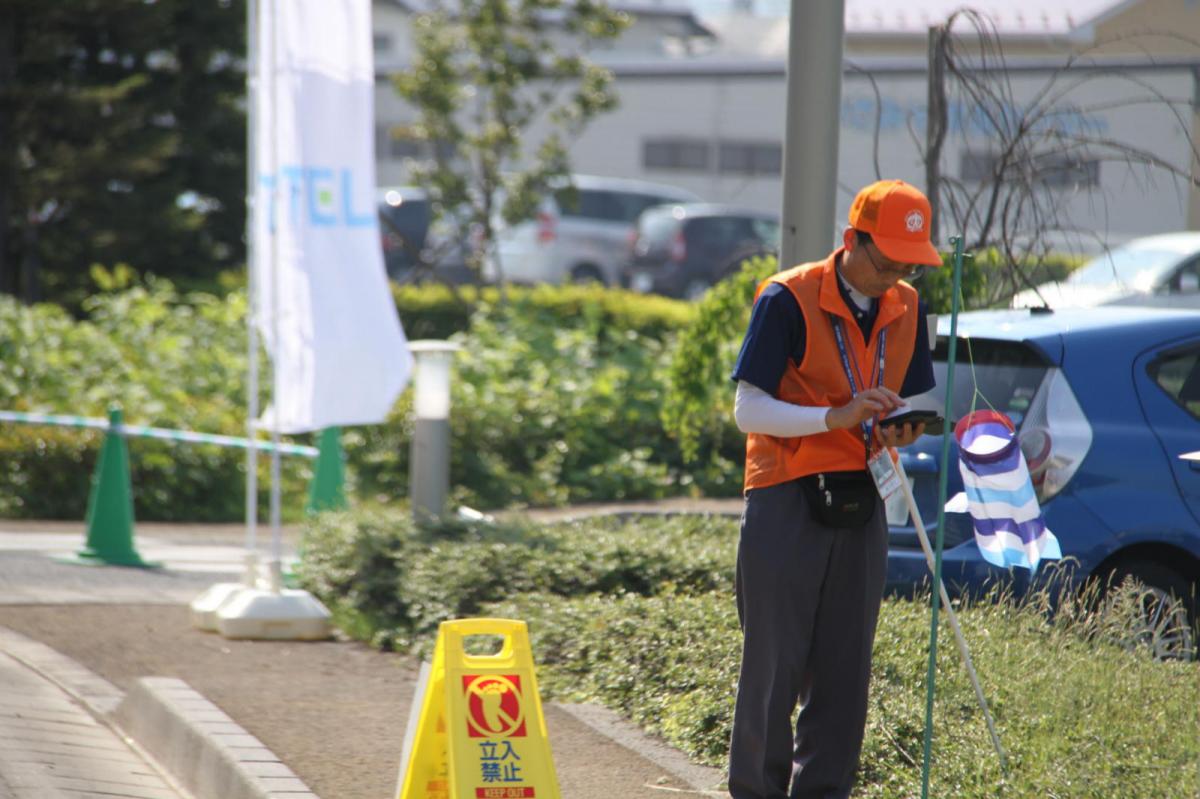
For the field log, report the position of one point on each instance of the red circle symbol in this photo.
(494, 706)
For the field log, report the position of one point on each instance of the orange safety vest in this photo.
(820, 378)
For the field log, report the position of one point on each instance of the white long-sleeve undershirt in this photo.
(756, 411)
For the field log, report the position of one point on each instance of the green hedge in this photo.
(438, 311)
(555, 399)
(626, 615)
(169, 360)
(399, 579)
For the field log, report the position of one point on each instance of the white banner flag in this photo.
(337, 348)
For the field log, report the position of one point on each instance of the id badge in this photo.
(887, 479)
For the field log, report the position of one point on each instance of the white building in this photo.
(702, 106)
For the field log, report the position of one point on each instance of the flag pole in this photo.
(943, 472)
(276, 566)
(252, 288)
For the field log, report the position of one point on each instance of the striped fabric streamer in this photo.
(999, 495)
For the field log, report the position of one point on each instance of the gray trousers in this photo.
(808, 599)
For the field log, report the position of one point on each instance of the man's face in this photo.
(868, 269)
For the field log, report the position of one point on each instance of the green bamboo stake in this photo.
(940, 541)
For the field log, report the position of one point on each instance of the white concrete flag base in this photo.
(288, 615)
(205, 606)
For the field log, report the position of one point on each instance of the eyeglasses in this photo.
(889, 271)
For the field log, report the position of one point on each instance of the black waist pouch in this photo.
(840, 499)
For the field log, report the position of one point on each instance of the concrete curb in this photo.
(702, 779)
(209, 753)
(192, 742)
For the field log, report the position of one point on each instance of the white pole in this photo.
(250, 576)
(958, 636)
(276, 531)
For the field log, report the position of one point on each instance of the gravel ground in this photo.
(334, 711)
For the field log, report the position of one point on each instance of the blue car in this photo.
(1104, 401)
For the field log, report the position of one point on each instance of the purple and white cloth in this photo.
(998, 493)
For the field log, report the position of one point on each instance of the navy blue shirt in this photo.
(776, 334)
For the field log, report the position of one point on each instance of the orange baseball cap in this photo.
(897, 215)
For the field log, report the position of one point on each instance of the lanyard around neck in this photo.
(851, 368)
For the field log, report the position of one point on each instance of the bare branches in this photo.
(878, 117)
(1029, 156)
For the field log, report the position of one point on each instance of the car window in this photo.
(404, 228)
(657, 227)
(1178, 374)
(408, 218)
(609, 206)
(588, 204)
(1007, 375)
(719, 232)
(1186, 280)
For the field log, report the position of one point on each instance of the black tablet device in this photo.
(933, 422)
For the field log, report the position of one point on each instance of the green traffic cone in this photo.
(110, 505)
(327, 489)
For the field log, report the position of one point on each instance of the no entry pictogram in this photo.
(494, 705)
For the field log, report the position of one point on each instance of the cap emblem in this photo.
(915, 221)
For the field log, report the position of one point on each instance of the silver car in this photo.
(1161, 271)
(586, 239)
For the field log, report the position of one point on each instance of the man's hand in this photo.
(866, 405)
(898, 435)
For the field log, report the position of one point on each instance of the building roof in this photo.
(1055, 19)
(678, 14)
(1011, 17)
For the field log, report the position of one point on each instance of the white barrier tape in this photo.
(186, 436)
(51, 419)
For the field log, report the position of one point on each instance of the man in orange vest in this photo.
(832, 346)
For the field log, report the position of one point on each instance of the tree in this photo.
(1036, 150)
(485, 72)
(122, 140)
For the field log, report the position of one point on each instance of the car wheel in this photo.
(1166, 618)
(587, 273)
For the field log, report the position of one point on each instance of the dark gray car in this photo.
(681, 250)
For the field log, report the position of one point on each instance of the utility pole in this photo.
(935, 123)
(810, 145)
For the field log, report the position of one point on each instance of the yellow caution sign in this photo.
(480, 733)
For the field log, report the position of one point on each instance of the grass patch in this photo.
(640, 617)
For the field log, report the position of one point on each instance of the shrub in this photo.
(555, 401)
(549, 407)
(433, 310)
(402, 578)
(697, 408)
(988, 279)
(640, 617)
(171, 361)
(44, 471)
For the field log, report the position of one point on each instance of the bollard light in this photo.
(429, 462)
